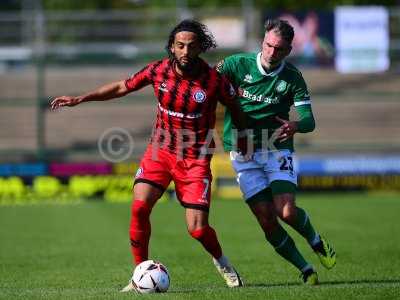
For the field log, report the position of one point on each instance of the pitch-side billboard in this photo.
(361, 39)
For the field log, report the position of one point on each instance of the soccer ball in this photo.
(150, 277)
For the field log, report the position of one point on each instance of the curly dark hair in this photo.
(205, 37)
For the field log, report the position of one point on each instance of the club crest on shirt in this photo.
(199, 96)
(281, 86)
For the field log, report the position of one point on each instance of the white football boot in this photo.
(230, 275)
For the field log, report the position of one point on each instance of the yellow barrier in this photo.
(118, 188)
(222, 171)
(13, 189)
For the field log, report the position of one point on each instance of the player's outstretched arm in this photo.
(106, 92)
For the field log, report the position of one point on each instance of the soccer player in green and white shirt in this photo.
(268, 87)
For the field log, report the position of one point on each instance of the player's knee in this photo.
(196, 220)
(285, 207)
(288, 214)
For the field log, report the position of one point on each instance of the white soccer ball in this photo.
(151, 277)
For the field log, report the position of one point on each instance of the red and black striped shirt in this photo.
(186, 106)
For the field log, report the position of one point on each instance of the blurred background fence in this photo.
(45, 53)
(48, 53)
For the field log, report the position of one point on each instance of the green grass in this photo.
(82, 252)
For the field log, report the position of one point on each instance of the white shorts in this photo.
(257, 173)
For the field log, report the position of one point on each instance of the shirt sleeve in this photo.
(306, 121)
(140, 79)
(225, 67)
(227, 92)
(301, 96)
(302, 104)
(219, 67)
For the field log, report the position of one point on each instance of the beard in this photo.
(188, 66)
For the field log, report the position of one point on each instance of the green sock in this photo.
(304, 227)
(285, 247)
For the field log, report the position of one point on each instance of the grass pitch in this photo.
(82, 251)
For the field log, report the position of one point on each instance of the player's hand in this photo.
(64, 101)
(287, 129)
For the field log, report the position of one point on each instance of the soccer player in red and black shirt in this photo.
(187, 89)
